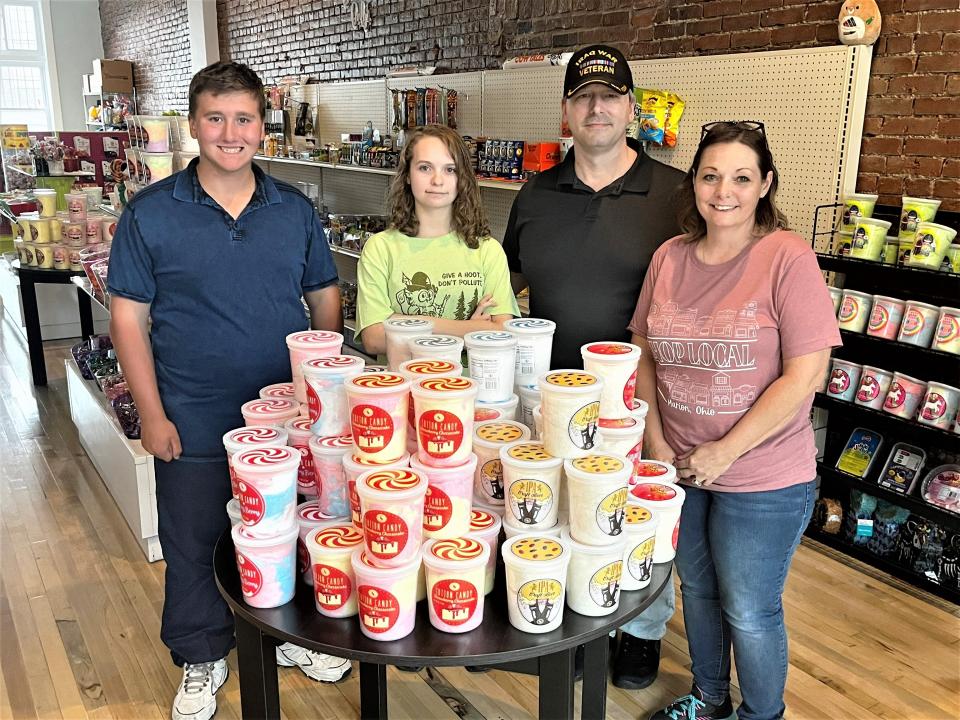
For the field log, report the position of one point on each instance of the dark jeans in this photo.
(733, 555)
(197, 624)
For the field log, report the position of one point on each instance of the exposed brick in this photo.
(703, 27)
(918, 187)
(873, 164)
(910, 126)
(931, 42)
(881, 146)
(877, 86)
(889, 106)
(720, 8)
(917, 84)
(951, 168)
(894, 65)
(945, 62)
(951, 42)
(712, 42)
(686, 12)
(944, 22)
(822, 11)
(750, 21)
(937, 106)
(890, 186)
(949, 127)
(751, 39)
(867, 183)
(793, 34)
(898, 44)
(872, 126)
(754, 5)
(899, 24)
(932, 147)
(914, 5)
(786, 16)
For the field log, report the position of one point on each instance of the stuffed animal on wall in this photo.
(859, 22)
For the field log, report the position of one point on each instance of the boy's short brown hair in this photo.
(225, 77)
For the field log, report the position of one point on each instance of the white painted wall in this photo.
(76, 41)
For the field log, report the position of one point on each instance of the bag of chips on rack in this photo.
(674, 110)
(653, 114)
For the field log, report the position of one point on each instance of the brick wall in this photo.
(153, 35)
(912, 133)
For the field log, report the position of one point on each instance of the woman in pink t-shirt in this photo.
(736, 325)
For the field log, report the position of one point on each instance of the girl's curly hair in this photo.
(469, 219)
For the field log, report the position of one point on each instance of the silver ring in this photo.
(698, 483)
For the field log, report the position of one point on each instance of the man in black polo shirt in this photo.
(581, 236)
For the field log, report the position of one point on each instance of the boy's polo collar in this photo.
(188, 188)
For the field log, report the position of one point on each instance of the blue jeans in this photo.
(651, 624)
(733, 555)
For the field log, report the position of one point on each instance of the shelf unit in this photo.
(102, 96)
(125, 467)
(941, 446)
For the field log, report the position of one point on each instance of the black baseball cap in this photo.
(597, 64)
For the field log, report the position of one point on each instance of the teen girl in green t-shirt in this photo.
(437, 259)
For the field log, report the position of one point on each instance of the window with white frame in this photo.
(24, 84)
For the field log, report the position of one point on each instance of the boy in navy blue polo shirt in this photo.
(218, 256)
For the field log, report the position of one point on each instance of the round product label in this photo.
(481, 520)
(440, 433)
(540, 601)
(454, 601)
(537, 548)
(331, 586)
(251, 579)
(948, 329)
(609, 349)
(313, 404)
(879, 317)
(896, 396)
(491, 478)
(582, 429)
(437, 509)
(605, 584)
(849, 308)
(372, 427)
(610, 512)
(869, 388)
(251, 503)
(499, 432)
(654, 491)
(457, 549)
(598, 464)
(530, 500)
(913, 322)
(379, 609)
(529, 452)
(386, 533)
(934, 407)
(640, 561)
(571, 379)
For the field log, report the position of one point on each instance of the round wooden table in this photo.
(494, 643)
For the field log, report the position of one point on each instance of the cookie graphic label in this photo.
(540, 601)
(454, 601)
(530, 500)
(386, 533)
(440, 433)
(605, 584)
(331, 587)
(372, 428)
(610, 512)
(582, 429)
(379, 609)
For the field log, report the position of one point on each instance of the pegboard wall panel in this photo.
(355, 192)
(522, 104)
(291, 172)
(497, 203)
(346, 107)
(803, 97)
(469, 87)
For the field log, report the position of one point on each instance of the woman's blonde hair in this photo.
(469, 219)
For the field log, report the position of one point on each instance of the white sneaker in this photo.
(196, 698)
(316, 666)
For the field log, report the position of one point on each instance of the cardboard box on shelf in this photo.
(541, 156)
(113, 75)
(91, 84)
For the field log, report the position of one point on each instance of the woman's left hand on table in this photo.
(704, 463)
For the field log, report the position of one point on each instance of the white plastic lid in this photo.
(933, 384)
(395, 485)
(655, 471)
(656, 496)
(455, 554)
(639, 520)
(377, 384)
(270, 409)
(234, 511)
(447, 388)
(528, 455)
(530, 326)
(615, 547)
(573, 382)
(249, 436)
(533, 551)
(485, 522)
(242, 537)
(298, 428)
(888, 299)
(599, 466)
(309, 515)
(429, 367)
(489, 339)
(440, 342)
(334, 539)
(267, 460)
(496, 433)
(333, 445)
(918, 304)
(529, 392)
(408, 325)
(857, 293)
(313, 339)
(861, 220)
(620, 427)
(609, 351)
(509, 404)
(283, 390)
(331, 365)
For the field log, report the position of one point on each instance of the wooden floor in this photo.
(80, 611)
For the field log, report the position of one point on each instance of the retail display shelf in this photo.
(859, 552)
(109, 210)
(125, 467)
(84, 284)
(524, 304)
(920, 282)
(894, 428)
(350, 324)
(484, 182)
(344, 251)
(22, 169)
(922, 362)
(915, 504)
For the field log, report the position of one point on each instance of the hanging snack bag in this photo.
(674, 111)
(653, 114)
(452, 109)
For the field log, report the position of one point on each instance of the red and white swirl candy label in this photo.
(251, 503)
(437, 509)
(251, 579)
(429, 367)
(331, 586)
(315, 337)
(265, 457)
(339, 537)
(386, 533)
(440, 433)
(454, 601)
(372, 427)
(481, 520)
(379, 609)
(254, 435)
(333, 362)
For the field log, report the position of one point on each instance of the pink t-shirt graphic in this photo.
(718, 334)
